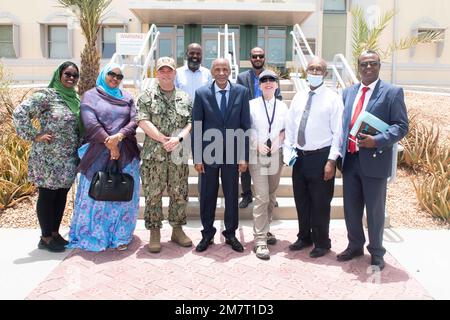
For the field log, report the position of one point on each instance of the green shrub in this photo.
(420, 143)
(14, 185)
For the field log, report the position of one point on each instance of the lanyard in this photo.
(270, 121)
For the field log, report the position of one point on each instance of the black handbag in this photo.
(111, 185)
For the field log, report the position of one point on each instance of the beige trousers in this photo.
(266, 178)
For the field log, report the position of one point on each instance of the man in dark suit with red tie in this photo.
(367, 159)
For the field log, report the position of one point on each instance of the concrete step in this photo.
(285, 211)
(284, 189)
(285, 172)
(288, 95)
(286, 85)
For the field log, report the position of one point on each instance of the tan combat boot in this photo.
(178, 236)
(154, 245)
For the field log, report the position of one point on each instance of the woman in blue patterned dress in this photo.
(108, 115)
(53, 157)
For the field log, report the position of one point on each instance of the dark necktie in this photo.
(223, 102)
(302, 127)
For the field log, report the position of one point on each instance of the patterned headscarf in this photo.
(101, 81)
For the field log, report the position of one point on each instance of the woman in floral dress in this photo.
(53, 158)
(108, 115)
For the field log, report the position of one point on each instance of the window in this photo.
(7, 42)
(180, 46)
(273, 41)
(58, 44)
(109, 40)
(171, 43)
(334, 6)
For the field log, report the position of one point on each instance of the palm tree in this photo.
(89, 14)
(367, 38)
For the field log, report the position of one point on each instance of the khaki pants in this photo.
(266, 178)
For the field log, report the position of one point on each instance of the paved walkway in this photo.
(412, 270)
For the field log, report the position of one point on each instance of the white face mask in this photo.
(314, 80)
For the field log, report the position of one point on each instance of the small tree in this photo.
(366, 37)
(89, 14)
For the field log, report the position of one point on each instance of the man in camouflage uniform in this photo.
(164, 113)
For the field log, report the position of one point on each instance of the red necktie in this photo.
(352, 143)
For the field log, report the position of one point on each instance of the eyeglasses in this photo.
(314, 70)
(256, 56)
(367, 63)
(115, 75)
(267, 79)
(71, 75)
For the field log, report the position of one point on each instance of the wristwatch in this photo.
(121, 136)
(180, 138)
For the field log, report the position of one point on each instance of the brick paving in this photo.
(221, 273)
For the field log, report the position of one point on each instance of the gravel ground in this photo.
(402, 205)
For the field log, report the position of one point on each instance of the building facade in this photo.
(35, 36)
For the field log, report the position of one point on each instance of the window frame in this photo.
(266, 38)
(100, 37)
(45, 41)
(15, 40)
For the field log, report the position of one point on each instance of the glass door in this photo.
(209, 43)
(171, 43)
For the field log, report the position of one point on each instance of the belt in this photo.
(309, 152)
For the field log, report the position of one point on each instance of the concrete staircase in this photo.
(286, 209)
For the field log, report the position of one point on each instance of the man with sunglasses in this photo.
(250, 80)
(367, 159)
(313, 130)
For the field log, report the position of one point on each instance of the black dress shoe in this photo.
(349, 254)
(235, 244)
(203, 244)
(299, 245)
(271, 240)
(318, 252)
(52, 246)
(245, 202)
(377, 263)
(59, 239)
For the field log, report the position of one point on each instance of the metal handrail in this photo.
(150, 59)
(339, 59)
(299, 31)
(231, 57)
(337, 77)
(140, 66)
(300, 61)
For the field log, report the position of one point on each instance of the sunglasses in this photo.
(267, 79)
(256, 56)
(367, 63)
(71, 75)
(118, 76)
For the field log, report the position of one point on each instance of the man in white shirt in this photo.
(192, 76)
(313, 129)
(268, 117)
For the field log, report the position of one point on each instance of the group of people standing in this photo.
(192, 103)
